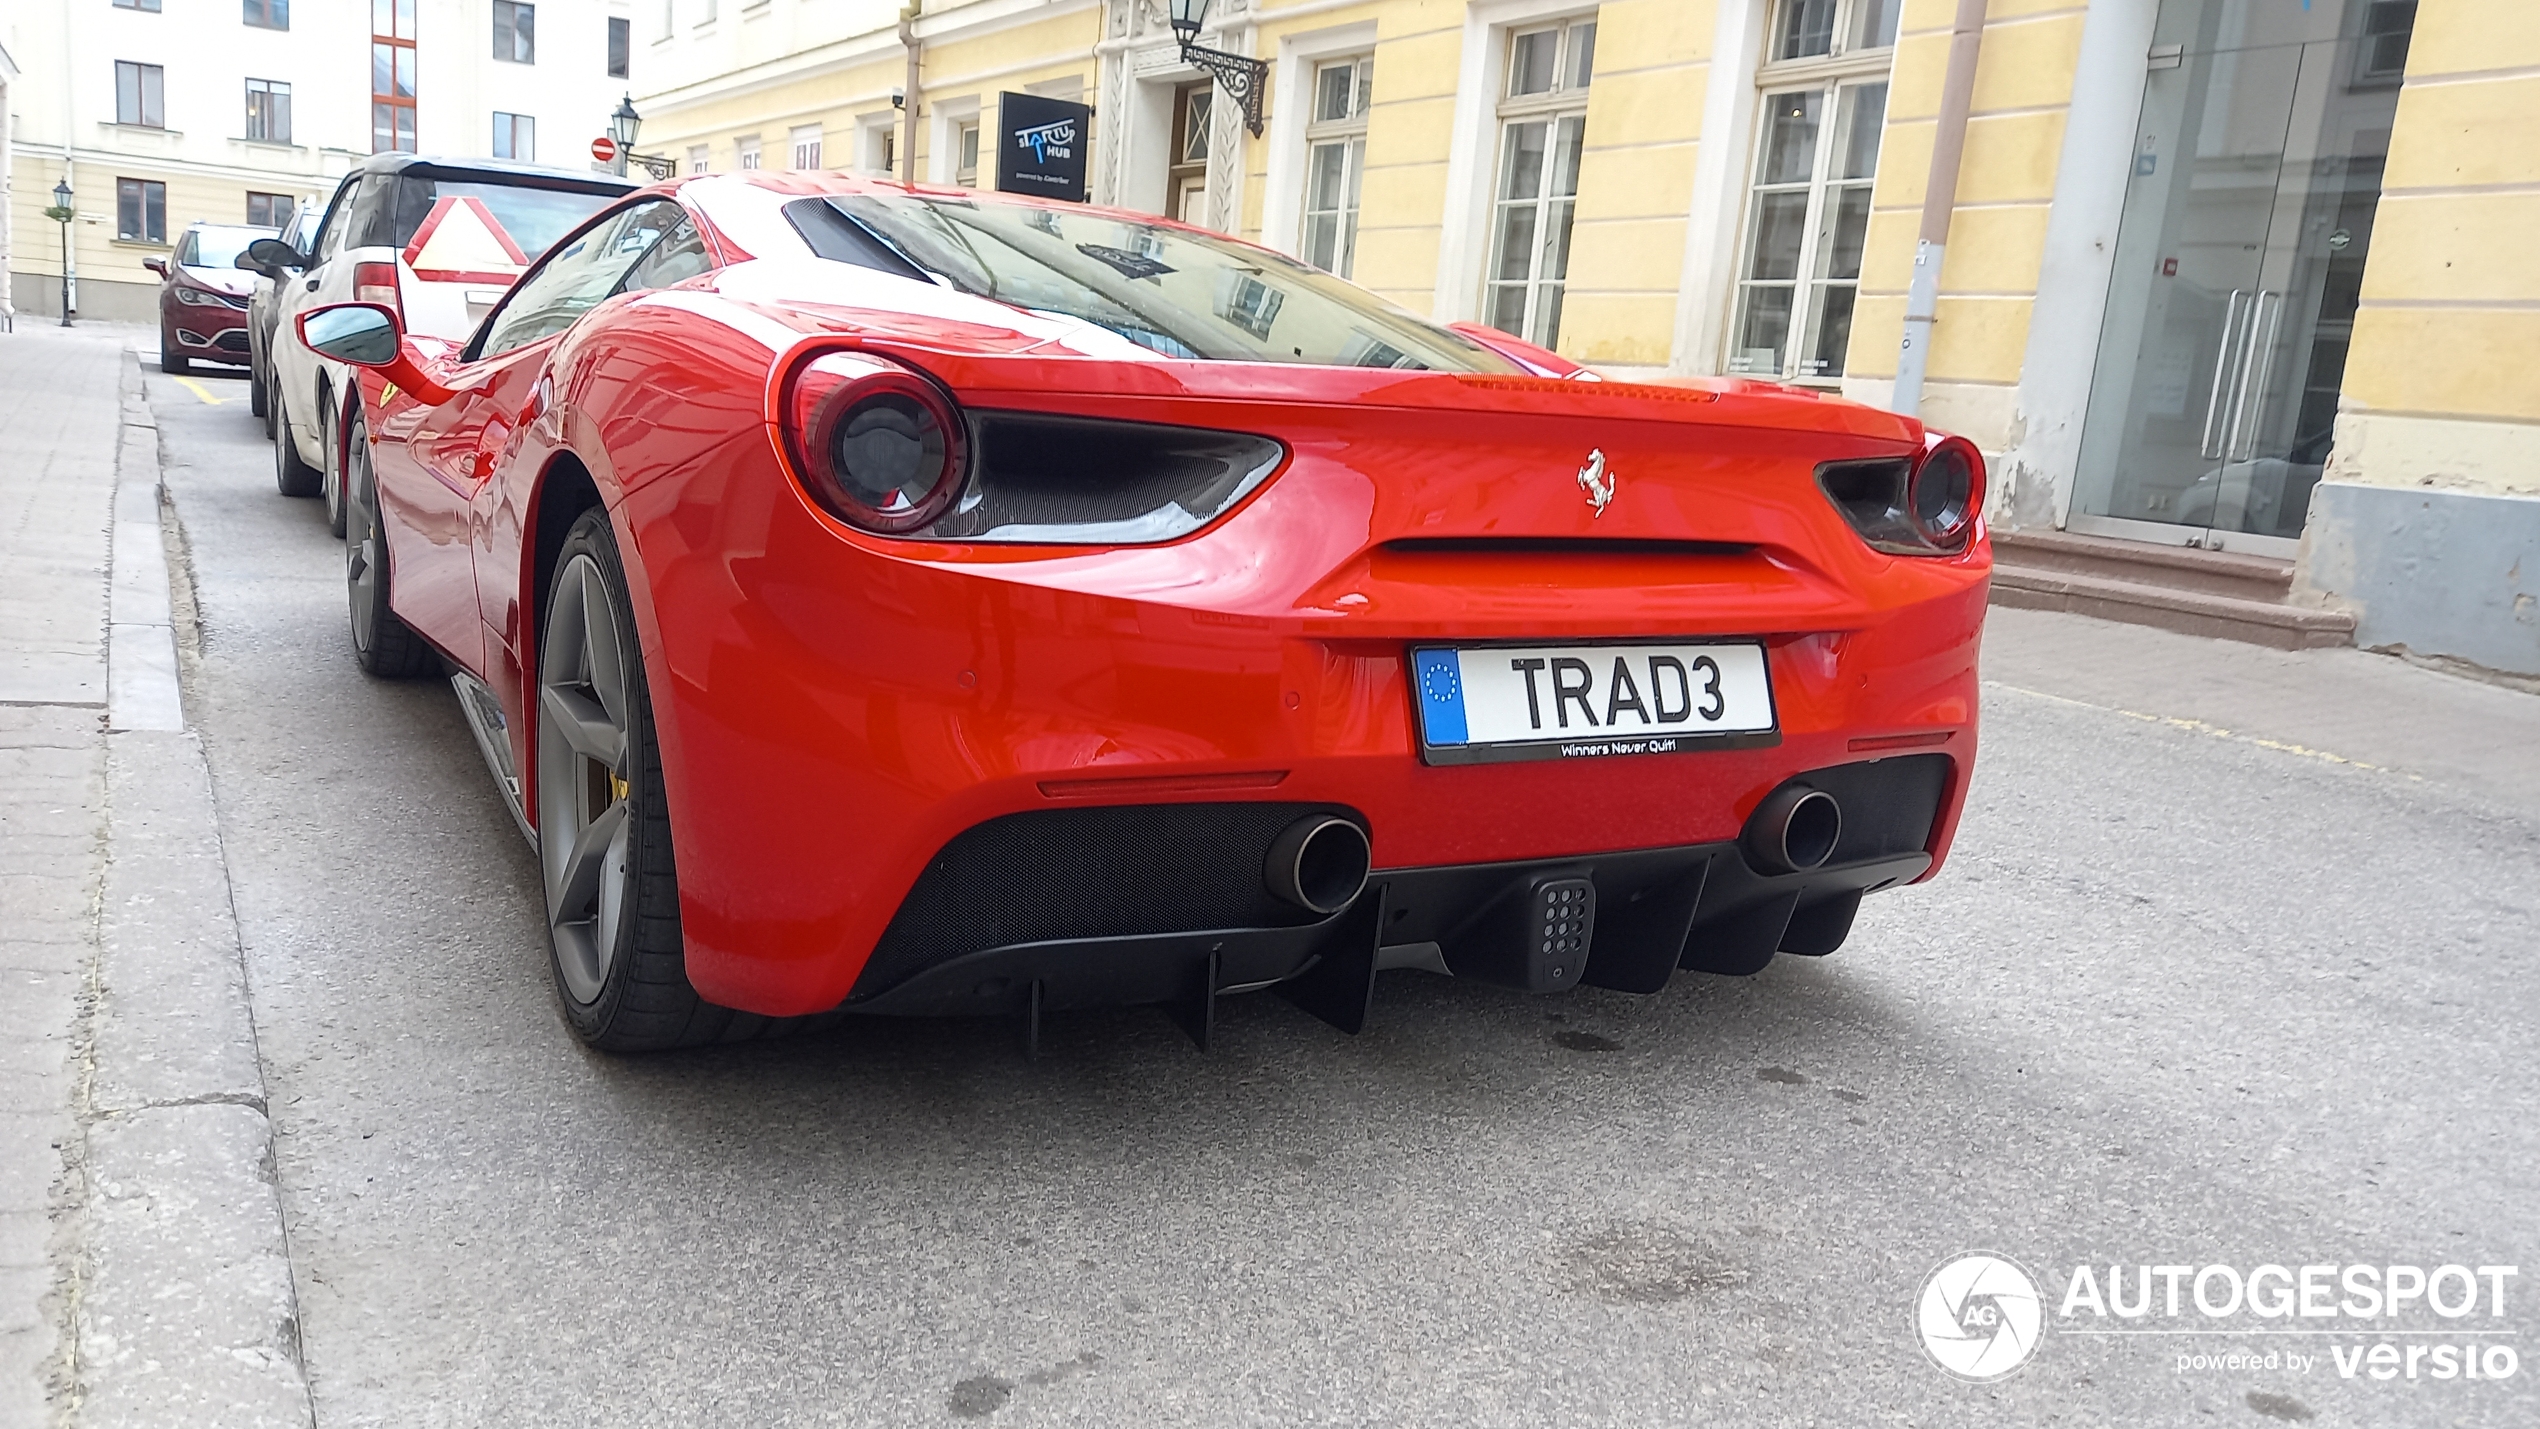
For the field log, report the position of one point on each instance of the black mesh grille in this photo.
(1888, 804)
(1110, 872)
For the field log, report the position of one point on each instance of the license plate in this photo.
(1493, 703)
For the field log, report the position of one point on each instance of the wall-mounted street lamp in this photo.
(624, 125)
(62, 213)
(1241, 76)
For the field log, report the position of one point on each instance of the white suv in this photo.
(440, 240)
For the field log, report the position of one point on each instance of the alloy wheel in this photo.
(364, 550)
(586, 825)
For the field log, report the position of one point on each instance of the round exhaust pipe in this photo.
(1318, 863)
(1793, 830)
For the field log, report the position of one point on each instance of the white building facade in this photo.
(161, 113)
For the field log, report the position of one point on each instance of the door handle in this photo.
(2227, 360)
(2257, 364)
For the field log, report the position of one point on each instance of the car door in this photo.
(294, 365)
(444, 456)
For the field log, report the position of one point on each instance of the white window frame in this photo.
(945, 119)
(1349, 134)
(1844, 66)
(273, 90)
(877, 140)
(1566, 100)
(1291, 109)
(700, 159)
(509, 128)
(802, 147)
(1472, 162)
(749, 153)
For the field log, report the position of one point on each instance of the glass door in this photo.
(2239, 259)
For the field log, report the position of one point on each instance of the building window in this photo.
(268, 210)
(140, 95)
(392, 76)
(1809, 29)
(621, 45)
(2382, 59)
(150, 5)
(1186, 175)
(699, 162)
(749, 151)
(515, 137)
(882, 148)
(268, 111)
(1808, 209)
(267, 14)
(669, 14)
(806, 145)
(1542, 120)
(141, 210)
(1335, 152)
(705, 12)
(966, 154)
(515, 32)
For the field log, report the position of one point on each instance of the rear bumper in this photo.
(1152, 904)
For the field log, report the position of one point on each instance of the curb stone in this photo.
(185, 1312)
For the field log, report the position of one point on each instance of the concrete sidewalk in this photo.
(143, 1278)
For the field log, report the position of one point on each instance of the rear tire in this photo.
(291, 476)
(383, 645)
(331, 472)
(612, 887)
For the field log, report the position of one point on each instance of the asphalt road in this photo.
(2181, 997)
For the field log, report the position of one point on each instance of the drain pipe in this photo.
(908, 112)
(1940, 199)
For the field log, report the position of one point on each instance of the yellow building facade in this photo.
(2232, 274)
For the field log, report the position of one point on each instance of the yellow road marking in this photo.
(2215, 731)
(199, 390)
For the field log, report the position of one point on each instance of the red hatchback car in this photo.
(203, 296)
(909, 601)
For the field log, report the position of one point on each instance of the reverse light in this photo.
(878, 446)
(377, 283)
(1911, 508)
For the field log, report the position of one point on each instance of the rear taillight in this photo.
(885, 449)
(377, 283)
(1946, 489)
(878, 446)
(1911, 508)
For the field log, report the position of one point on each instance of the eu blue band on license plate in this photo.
(1488, 704)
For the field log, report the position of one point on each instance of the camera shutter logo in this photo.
(1979, 1317)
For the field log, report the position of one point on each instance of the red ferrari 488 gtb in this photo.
(916, 601)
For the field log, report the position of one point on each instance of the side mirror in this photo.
(363, 334)
(371, 335)
(272, 255)
(156, 265)
(248, 263)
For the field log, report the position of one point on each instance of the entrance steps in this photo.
(2223, 594)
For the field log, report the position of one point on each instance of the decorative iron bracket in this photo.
(660, 166)
(1241, 76)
